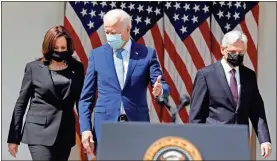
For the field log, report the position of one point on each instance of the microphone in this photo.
(184, 101)
(163, 101)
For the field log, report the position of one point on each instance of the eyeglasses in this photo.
(235, 52)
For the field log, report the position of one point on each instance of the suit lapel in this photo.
(134, 55)
(46, 76)
(223, 82)
(110, 63)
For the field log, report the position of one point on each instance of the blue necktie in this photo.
(119, 67)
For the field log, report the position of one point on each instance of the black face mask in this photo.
(59, 56)
(235, 59)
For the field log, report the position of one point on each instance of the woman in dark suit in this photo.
(53, 85)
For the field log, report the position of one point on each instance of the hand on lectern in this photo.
(87, 141)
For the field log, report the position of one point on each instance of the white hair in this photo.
(232, 37)
(123, 16)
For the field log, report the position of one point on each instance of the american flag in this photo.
(186, 36)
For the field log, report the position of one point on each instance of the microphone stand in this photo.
(173, 111)
(161, 103)
(173, 115)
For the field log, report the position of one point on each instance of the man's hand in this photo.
(13, 148)
(265, 150)
(87, 141)
(157, 90)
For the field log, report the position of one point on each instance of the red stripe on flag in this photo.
(141, 41)
(216, 50)
(205, 31)
(95, 40)
(158, 41)
(166, 115)
(208, 36)
(194, 53)
(159, 46)
(179, 64)
(77, 43)
(251, 49)
(175, 95)
(255, 12)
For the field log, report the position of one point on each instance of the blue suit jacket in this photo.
(101, 77)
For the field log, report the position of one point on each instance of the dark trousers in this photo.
(50, 153)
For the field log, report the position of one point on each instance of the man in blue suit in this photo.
(120, 71)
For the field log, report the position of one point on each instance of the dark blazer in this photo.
(212, 101)
(49, 117)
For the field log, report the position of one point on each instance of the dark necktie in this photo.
(234, 86)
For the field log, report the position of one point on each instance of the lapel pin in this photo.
(137, 53)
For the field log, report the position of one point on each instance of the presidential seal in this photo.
(172, 148)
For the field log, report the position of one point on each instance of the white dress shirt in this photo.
(227, 69)
(126, 57)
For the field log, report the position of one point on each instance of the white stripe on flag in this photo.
(180, 47)
(154, 118)
(201, 46)
(252, 27)
(102, 35)
(216, 30)
(160, 25)
(173, 105)
(78, 28)
(178, 82)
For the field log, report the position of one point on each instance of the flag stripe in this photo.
(255, 12)
(252, 27)
(205, 31)
(77, 26)
(180, 48)
(193, 51)
(201, 46)
(155, 43)
(166, 115)
(78, 46)
(179, 65)
(95, 40)
(158, 41)
(251, 49)
(154, 117)
(178, 82)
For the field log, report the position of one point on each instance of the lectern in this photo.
(150, 141)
